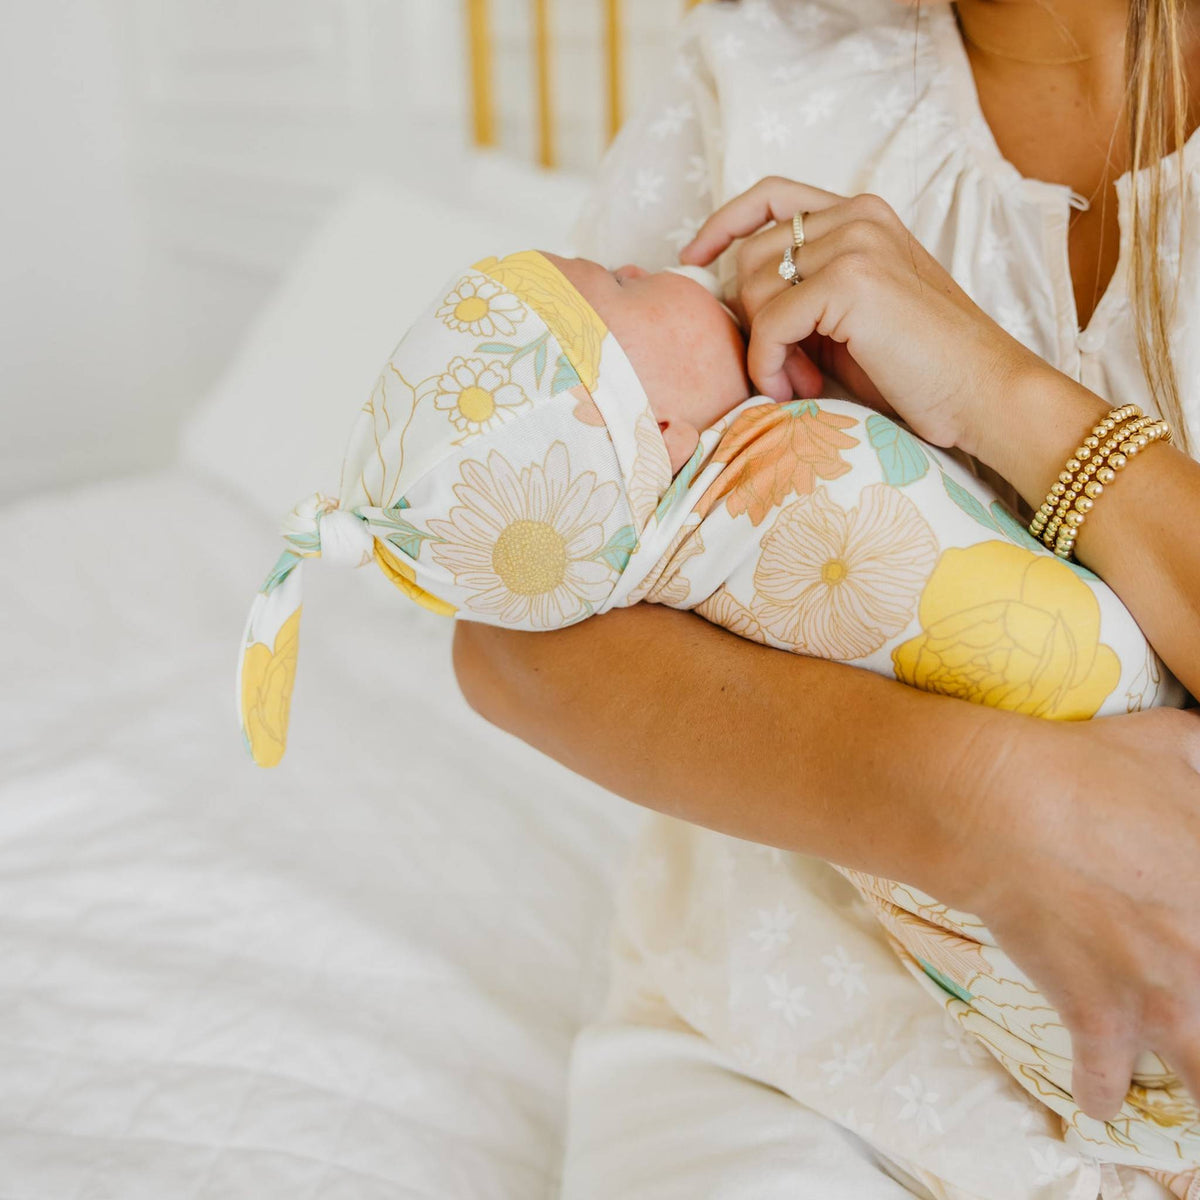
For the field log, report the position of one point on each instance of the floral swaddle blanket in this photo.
(508, 467)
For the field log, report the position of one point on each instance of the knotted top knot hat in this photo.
(504, 469)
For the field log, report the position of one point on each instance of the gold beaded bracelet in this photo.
(1091, 443)
(1118, 437)
(1134, 444)
(1080, 471)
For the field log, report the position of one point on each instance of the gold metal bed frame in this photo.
(480, 61)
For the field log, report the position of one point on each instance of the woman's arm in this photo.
(1003, 815)
(1143, 536)
(679, 715)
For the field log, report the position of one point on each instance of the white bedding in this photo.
(337, 979)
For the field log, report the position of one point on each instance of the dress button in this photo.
(1089, 341)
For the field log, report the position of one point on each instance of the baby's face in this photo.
(688, 352)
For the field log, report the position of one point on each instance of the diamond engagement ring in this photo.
(787, 267)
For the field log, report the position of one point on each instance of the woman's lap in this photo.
(657, 1112)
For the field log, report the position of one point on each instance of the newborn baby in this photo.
(552, 439)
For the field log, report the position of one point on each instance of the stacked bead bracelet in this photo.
(1123, 433)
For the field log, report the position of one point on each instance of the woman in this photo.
(978, 148)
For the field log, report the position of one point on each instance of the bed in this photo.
(357, 975)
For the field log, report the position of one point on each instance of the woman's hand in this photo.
(1081, 860)
(871, 307)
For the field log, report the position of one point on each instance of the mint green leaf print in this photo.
(620, 546)
(565, 376)
(409, 543)
(306, 543)
(407, 538)
(900, 454)
(1012, 528)
(947, 985)
(968, 503)
(402, 503)
(1016, 532)
(801, 408)
(495, 348)
(539, 363)
(284, 565)
(681, 481)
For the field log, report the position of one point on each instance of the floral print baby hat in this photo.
(502, 470)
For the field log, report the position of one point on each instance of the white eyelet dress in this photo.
(760, 1039)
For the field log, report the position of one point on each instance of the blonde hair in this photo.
(1157, 90)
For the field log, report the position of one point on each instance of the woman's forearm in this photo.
(681, 716)
(1143, 535)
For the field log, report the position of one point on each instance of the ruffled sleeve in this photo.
(655, 185)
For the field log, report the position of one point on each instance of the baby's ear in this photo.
(681, 439)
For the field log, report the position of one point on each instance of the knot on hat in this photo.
(317, 528)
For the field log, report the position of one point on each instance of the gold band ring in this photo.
(798, 230)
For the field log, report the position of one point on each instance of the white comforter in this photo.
(355, 976)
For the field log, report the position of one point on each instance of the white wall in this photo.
(76, 373)
(166, 159)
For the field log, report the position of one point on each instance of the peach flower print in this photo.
(837, 583)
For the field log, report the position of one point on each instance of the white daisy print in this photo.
(850, 1120)
(967, 1048)
(475, 394)
(1052, 1163)
(863, 51)
(524, 544)
(786, 1000)
(647, 188)
(918, 1105)
(845, 1063)
(818, 106)
(686, 230)
(888, 109)
(672, 119)
(771, 128)
(482, 307)
(697, 173)
(994, 249)
(774, 928)
(845, 973)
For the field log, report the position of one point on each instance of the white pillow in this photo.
(276, 424)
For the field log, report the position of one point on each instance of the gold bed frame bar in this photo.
(479, 54)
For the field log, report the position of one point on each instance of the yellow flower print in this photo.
(576, 326)
(403, 575)
(481, 307)
(1011, 629)
(837, 583)
(268, 674)
(527, 544)
(475, 394)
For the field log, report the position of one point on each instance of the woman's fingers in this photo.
(771, 199)
(760, 256)
(1102, 1071)
(820, 304)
